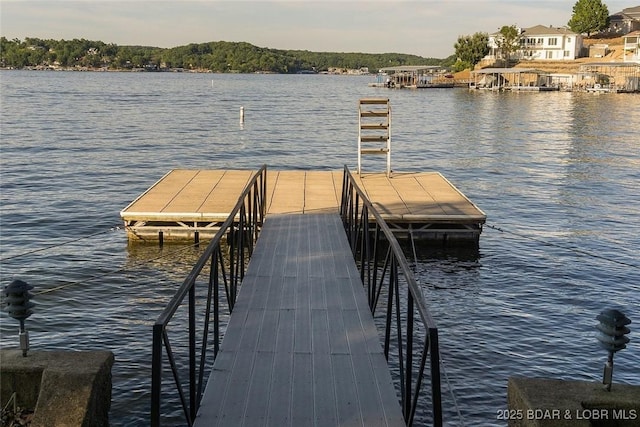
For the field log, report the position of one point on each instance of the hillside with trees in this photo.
(589, 17)
(219, 57)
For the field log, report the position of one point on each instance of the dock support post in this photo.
(160, 238)
(196, 238)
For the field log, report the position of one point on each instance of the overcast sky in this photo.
(427, 28)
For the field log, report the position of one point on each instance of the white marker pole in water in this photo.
(241, 114)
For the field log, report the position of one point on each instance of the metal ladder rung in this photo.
(380, 138)
(374, 101)
(374, 151)
(374, 126)
(374, 114)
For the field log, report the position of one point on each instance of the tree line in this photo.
(588, 16)
(213, 56)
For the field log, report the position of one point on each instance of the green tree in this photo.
(215, 56)
(508, 42)
(470, 50)
(589, 16)
(12, 53)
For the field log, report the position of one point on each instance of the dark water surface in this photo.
(558, 175)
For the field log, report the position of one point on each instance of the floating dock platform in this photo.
(186, 201)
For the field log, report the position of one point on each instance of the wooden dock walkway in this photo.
(301, 348)
(185, 201)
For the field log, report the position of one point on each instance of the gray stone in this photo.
(534, 402)
(65, 388)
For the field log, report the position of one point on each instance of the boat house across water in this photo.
(618, 77)
(414, 77)
(515, 79)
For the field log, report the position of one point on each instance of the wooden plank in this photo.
(371, 113)
(374, 126)
(183, 197)
(306, 355)
(194, 193)
(259, 402)
(425, 197)
(374, 138)
(416, 198)
(374, 151)
(210, 195)
(382, 194)
(190, 194)
(156, 198)
(302, 390)
(304, 191)
(374, 101)
(323, 191)
(347, 397)
(325, 404)
(226, 192)
(287, 192)
(450, 199)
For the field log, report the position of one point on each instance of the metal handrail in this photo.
(241, 230)
(382, 265)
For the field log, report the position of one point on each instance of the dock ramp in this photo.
(301, 347)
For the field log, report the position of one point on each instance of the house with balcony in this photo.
(626, 21)
(542, 43)
(631, 47)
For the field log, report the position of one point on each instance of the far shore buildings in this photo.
(561, 44)
(542, 43)
(626, 21)
(615, 73)
(631, 47)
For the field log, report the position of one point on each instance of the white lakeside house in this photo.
(542, 43)
(631, 48)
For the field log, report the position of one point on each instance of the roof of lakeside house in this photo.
(629, 12)
(539, 30)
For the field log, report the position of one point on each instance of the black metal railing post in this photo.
(156, 374)
(406, 318)
(216, 302)
(241, 230)
(435, 375)
(192, 353)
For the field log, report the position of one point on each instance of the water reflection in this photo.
(558, 171)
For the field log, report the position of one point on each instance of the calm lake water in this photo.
(557, 174)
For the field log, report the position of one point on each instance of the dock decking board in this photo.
(301, 347)
(425, 196)
(190, 193)
(200, 199)
(304, 191)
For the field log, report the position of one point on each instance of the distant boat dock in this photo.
(193, 203)
(414, 77)
(609, 77)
